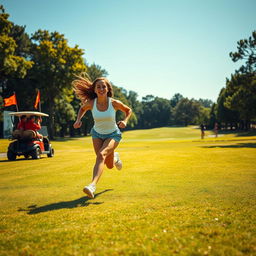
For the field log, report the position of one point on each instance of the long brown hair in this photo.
(84, 88)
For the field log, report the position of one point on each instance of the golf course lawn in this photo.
(176, 195)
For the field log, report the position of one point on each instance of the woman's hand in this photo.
(121, 124)
(77, 124)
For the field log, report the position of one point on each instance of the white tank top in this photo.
(104, 121)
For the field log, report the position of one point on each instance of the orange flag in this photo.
(10, 101)
(37, 99)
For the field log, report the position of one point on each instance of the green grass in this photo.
(176, 195)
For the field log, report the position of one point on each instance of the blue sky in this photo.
(158, 47)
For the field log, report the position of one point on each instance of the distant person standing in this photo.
(216, 128)
(202, 127)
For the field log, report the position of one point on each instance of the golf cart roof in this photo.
(28, 113)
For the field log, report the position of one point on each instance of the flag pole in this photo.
(39, 101)
(16, 102)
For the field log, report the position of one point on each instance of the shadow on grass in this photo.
(23, 159)
(238, 133)
(18, 159)
(239, 145)
(81, 202)
(246, 134)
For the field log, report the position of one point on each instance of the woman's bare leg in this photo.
(110, 163)
(97, 144)
(102, 153)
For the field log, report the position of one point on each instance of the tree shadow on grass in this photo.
(81, 202)
(17, 159)
(239, 145)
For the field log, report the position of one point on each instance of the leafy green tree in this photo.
(25, 92)
(205, 103)
(246, 50)
(204, 111)
(65, 114)
(213, 116)
(136, 106)
(203, 115)
(148, 98)
(133, 99)
(225, 115)
(237, 102)
(241, 88)
(156, 112)
(241, 96)
(14, 60)
(95, 71)
(12, 64)
(23, 87)
(22, 40)
(145, 117)
(186, 112)
(175, 99)
(55, 64)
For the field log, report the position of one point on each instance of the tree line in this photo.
(46, 61)
(236, 105)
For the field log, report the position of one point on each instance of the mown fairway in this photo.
(176, 195)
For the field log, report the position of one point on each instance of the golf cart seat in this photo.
(17, 134)
(24, 135)
(29, 134)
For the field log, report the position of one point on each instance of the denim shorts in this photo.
(116, 135)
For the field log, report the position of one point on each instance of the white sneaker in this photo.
(89, 190)
(118, 162)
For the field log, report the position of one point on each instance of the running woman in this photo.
(97, 97)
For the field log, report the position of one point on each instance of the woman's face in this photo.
(101, 88)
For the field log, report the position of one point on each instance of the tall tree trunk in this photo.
(63, 131)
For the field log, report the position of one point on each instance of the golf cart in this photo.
(29, 143)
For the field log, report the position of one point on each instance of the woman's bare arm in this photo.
(83, 109)
(118, 105)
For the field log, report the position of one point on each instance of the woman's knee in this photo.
(101, 156)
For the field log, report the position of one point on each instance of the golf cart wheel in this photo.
(36, 153)
(51, 154)
(11, 156)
